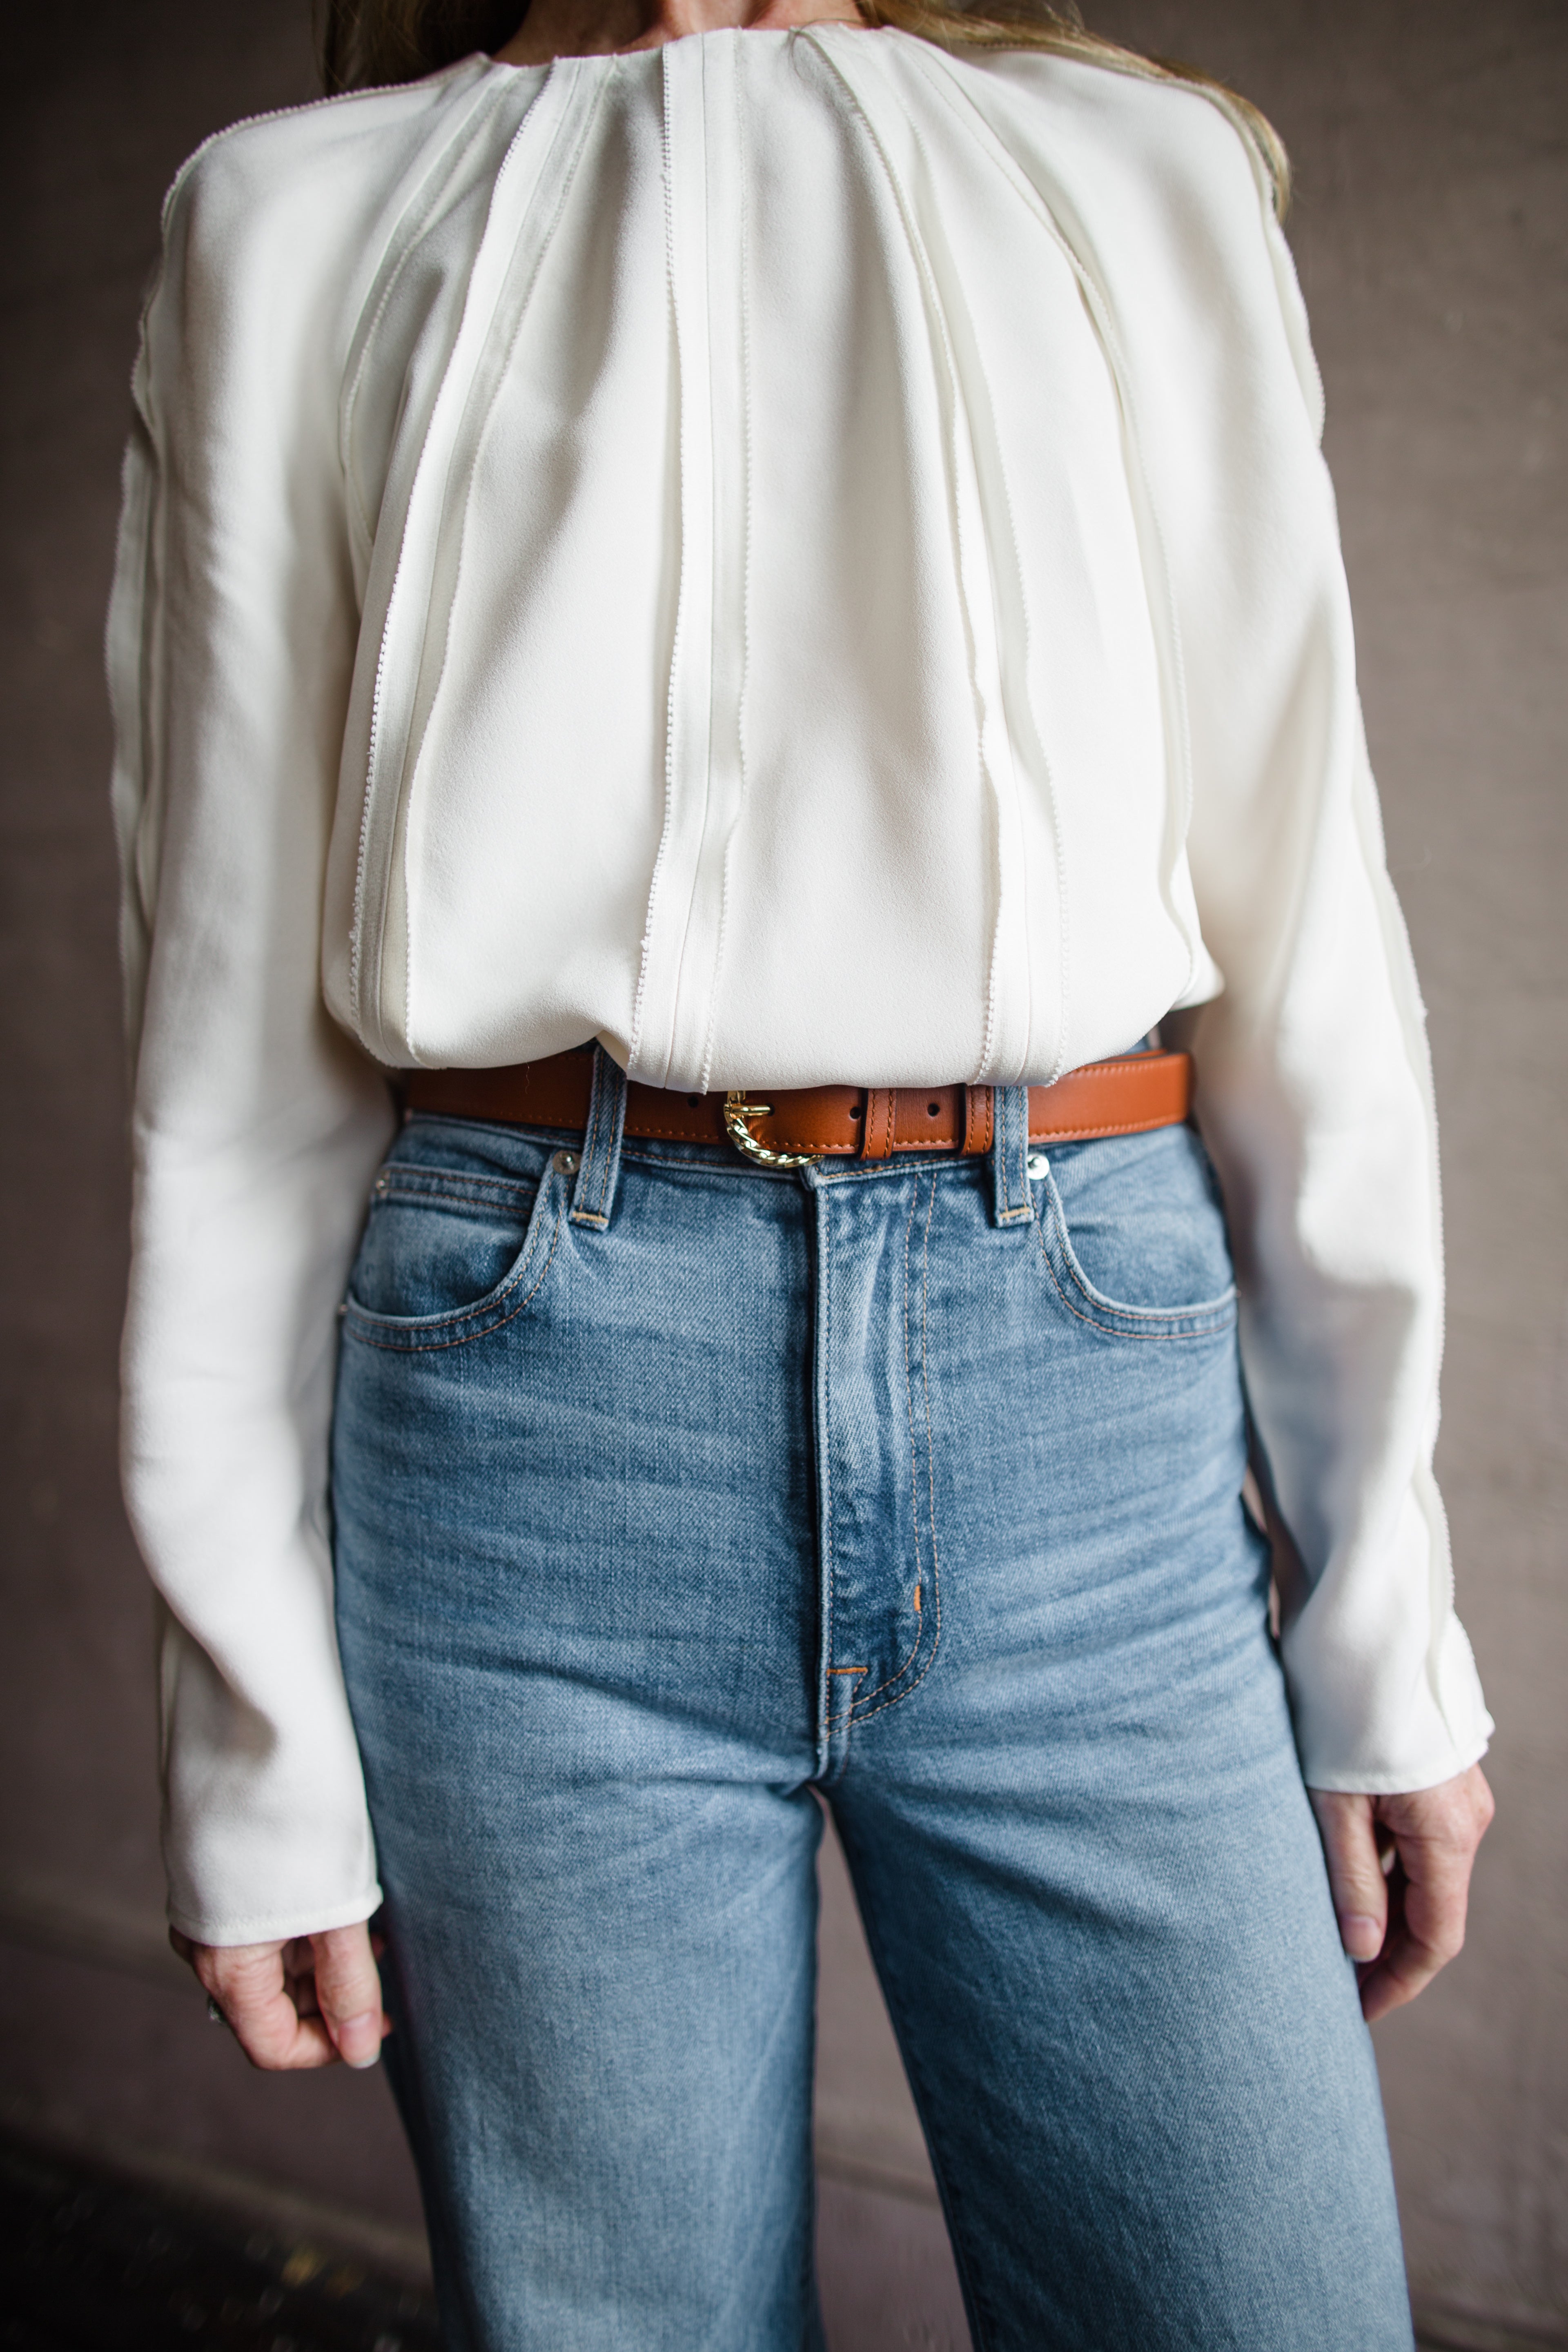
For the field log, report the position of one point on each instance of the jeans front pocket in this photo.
(1133, 1235)
(462, 1230)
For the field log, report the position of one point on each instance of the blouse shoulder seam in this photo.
(307, 109)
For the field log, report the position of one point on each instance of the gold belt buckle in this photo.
(738, 1113)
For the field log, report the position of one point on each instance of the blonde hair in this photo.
(365, 42)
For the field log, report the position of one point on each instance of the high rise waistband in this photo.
(1127, 1094)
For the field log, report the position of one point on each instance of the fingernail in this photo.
(359, 2038)
(1361, 1936)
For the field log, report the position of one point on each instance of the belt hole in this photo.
(854, 1110)
(933, 1109)
(695, 1101)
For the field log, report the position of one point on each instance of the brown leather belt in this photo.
(780, 1125)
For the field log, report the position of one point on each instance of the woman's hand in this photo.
(308, 2003)
(1399, 1868)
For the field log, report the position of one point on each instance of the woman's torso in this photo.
(768, 660)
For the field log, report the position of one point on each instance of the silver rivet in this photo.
(1038, 1166)
(382, 1184)
(567, 1163)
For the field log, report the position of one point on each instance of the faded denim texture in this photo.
(670, 1493)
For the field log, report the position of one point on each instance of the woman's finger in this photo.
(348, 1992)
(246, 1980)
(1349, 1832)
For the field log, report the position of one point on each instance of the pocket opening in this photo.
(1157, 1208)
(488, 1239)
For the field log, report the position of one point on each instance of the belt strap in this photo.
(1126, 1096)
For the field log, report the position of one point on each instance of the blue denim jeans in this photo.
(670, 1493)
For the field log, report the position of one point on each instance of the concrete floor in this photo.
(1431, 224)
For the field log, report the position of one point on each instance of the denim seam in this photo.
(610, 1113)
(931, 1433)
(1215, 1306)
(599, 1157)
(847, 1711)
(1004, 1150)
(931, 1490)
(436, 1184)
(830, 1628)
(1207, 1317)
(861, 1697)
(357, 1318)
(868, 1171)
(1212, 1328)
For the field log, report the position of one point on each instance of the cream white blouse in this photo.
(806, 558)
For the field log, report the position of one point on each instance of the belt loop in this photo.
(1010, 1156)
(978, 1117)
(880, 1123)
(593, 1196)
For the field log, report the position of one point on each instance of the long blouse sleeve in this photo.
(1314, 1087)
(256, 1123)
(1314, 1081)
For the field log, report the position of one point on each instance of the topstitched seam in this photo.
(1129, 1063)
(1215, 1323)
(1013, 1212)
(1099, 1134)
(899, 1671)
(460, 1339)
(857, 1171)
(599, 1114)
(931, 1465)
(845, 1714)
(826, 1451)
(1214, 1311)
(483, 1193)
(612, 1098)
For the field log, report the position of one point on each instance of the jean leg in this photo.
(1135, 2045)
(575, 1587)
(604, 2031)
(1087, 1867)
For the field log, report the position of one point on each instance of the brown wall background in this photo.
(1431, 226)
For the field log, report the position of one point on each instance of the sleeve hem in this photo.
(1426, 1775)
(275, 1927)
